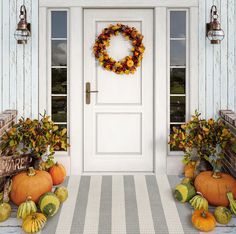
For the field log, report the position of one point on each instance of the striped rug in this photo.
(139, 204)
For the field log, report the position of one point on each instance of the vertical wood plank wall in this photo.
(19, 64)
(217, 74)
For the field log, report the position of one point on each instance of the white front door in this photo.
(118, 123)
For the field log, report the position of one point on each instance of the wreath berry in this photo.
(126, 65)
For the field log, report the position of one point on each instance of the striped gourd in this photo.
(49, 204)
(184, 192)
(26, 208)
(34, 223)
(222, 215)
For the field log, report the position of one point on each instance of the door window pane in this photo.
(177, 109)
(59, 80)
(59, 24)
(59, 53)
(178, 53)
(177, 81)
(61, 126)
(177, 24)
(178, 126)
(59, 109)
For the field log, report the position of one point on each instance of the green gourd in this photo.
(222, 215)
(184, 192)
(49, 204)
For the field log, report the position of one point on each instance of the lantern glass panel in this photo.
(216, 35)
(22, 35)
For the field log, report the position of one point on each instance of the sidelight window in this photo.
(58, 81)
(177, 70)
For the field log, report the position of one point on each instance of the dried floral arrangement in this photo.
(202, 139)
(37, 137)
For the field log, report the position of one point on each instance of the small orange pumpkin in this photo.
(33, 183)
(203, 220)
(214, 187)
(58, 173)
(189, 170)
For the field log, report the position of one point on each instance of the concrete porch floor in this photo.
(139, 204)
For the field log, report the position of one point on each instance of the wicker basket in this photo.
(229, 162)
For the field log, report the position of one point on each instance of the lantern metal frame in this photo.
(214, 32)
(23, 30)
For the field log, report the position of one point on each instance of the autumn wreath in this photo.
(128, 64)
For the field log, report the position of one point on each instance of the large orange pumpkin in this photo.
(33, 183)
(215, 186)
(203, 220)
(58, 173)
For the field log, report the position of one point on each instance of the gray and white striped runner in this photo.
(118, 204)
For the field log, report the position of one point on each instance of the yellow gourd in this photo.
(62, 193)
(34, 223)
(5, 211)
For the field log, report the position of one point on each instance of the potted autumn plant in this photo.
(202, 141)
(39, 138)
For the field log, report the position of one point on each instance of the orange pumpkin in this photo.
(189, 170)
(214, 187)
(203, 220)
(58, 173)
(33, 183)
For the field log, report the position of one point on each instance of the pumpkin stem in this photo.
(31, 171)
(200, 193)
(203, 214)
(29, 198)
(216, 175)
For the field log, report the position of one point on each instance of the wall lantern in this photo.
(213, 29)
(22, 32)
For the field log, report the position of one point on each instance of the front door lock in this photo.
(88, 92)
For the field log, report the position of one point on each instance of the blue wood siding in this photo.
(19, 64)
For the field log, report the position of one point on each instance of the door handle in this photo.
(93, 91)
(88, 91)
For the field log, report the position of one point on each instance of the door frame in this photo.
(73, 159)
